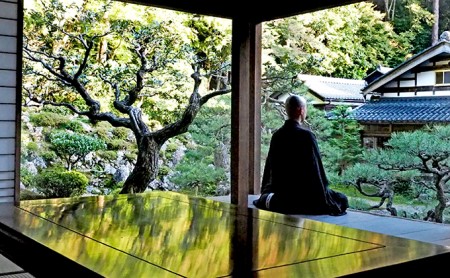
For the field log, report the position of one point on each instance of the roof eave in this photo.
(441, 47)
(253, 11)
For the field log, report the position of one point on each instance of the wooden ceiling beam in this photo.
(251, 11)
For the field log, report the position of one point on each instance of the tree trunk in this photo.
(435, 30)
(146, 168)
(440, 207)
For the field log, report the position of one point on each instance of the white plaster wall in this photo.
(407, 94)
(8, 83)
(407, 83)
(427, 78)
(442, 93)
(390, 95)
(425, 94)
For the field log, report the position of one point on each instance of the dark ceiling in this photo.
(253, 11)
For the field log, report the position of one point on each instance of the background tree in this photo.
(73, 147)
(372, 181)
(426, 151)
(421, 158)
(204, 168)
(413, 22)
(123, 71)
(343, 146)
(346, 42)
(435, 29)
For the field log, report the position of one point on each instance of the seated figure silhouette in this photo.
(294, 180)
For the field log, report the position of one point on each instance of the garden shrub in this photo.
(56, 110)
(110, 183)
(73, 147)
(75, 126)
(58, 183)
(131, 155)
(32, 147)
(26, 177)
(107, 155)
(103, 130)
(48, 119)
(121, 132)
(49, 155)
(117, 144)
(199, 176)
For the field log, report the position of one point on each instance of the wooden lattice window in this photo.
(442, 77)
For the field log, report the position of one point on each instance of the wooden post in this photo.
(245, 110)
(255, 109)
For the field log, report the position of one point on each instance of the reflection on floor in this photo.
(426, 231)
(165, 234)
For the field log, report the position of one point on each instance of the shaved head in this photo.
(294, 104)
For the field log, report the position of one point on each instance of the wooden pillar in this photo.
(245, 110)
(255, 109)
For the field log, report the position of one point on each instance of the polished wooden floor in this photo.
(431, 232)
(165, 234)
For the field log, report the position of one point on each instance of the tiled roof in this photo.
(329, 88)
(405, 110)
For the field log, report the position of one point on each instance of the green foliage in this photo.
(211, 41)
(26, 177)
(32, 147)
(347, 41)
(73, 147)
(196, 172)
(413, 22)
(48, 119)
(359, 204)
(57, 110)
(411, 164)
(57, 183)
(73, 125)
(121, 133)
(103, 131)
(108, 182)
(107, 155)
(343, 147)
(407, 150)
(171, 147)
(163, 171)
(26, 194)
(48, 155)
(117, 144)
(131, 156)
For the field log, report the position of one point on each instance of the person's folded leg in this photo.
(264, 201)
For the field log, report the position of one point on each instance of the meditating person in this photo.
(294, 180)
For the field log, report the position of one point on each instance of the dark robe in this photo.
(295, 174)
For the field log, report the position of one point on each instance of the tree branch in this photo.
(207, 97)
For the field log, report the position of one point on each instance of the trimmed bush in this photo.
(48, 119)
(118, 144)
(107, 155)
(75, 126)
(58, 183)
(32, 147)
(121, 132)
(73, 147)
